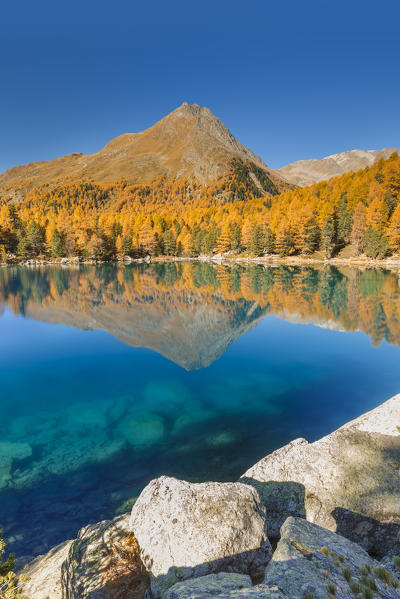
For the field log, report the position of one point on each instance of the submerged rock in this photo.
(347, 482)
(312, 561)
(188, 530)
(141, 428)
(8, 453)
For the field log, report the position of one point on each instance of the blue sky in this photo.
(291, 79)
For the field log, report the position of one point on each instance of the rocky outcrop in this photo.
(312, 561)
(43, 574)
(187, 530)
(208, 586)
(346, 482)
(222, 586)
(309, 561)
(102, 563)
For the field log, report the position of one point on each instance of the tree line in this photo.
(359, 211)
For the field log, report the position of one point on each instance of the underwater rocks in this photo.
(10, 452)
(141, 429)
(187, 530)
(347, 482)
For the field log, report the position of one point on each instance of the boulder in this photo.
(347, 482)
(43, 574)
(222, 586)
(208, 586)
(310, 561)
(104, 563)
(186, 530)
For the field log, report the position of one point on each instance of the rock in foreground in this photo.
(222, 586)
(43, 574)
(312, 561)
(347, 482)
(187, 530)
(102, 563)
(208, 586)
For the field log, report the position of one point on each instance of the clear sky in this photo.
(292, 79)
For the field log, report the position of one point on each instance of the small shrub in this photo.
(396, 559)
(331, 589)
(371, 584)
(355, 587)
(346, 572)
(325, 551)
(382, 574)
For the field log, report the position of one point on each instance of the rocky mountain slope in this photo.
(189, 143)
(306, 172)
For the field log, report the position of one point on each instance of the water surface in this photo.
(110, 376)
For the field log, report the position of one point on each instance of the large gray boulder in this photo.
(347, 482)
(187, 530)
(312, 561)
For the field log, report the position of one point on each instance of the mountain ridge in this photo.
(314, 170)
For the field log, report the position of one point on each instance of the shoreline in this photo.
(220, 259)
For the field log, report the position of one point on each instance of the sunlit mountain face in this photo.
(112, 375)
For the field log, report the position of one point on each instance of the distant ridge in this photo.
(306, 172)
(190, 143)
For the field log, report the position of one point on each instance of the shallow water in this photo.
(110, 376)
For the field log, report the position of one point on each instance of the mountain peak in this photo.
(190, 142)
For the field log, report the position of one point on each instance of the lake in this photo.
(113, 375)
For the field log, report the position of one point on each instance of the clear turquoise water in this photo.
(87, 419)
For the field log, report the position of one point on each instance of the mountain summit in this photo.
(190, 142)
(306, 172)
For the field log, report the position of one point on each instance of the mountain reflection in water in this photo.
(191, 312)
(91, 410)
